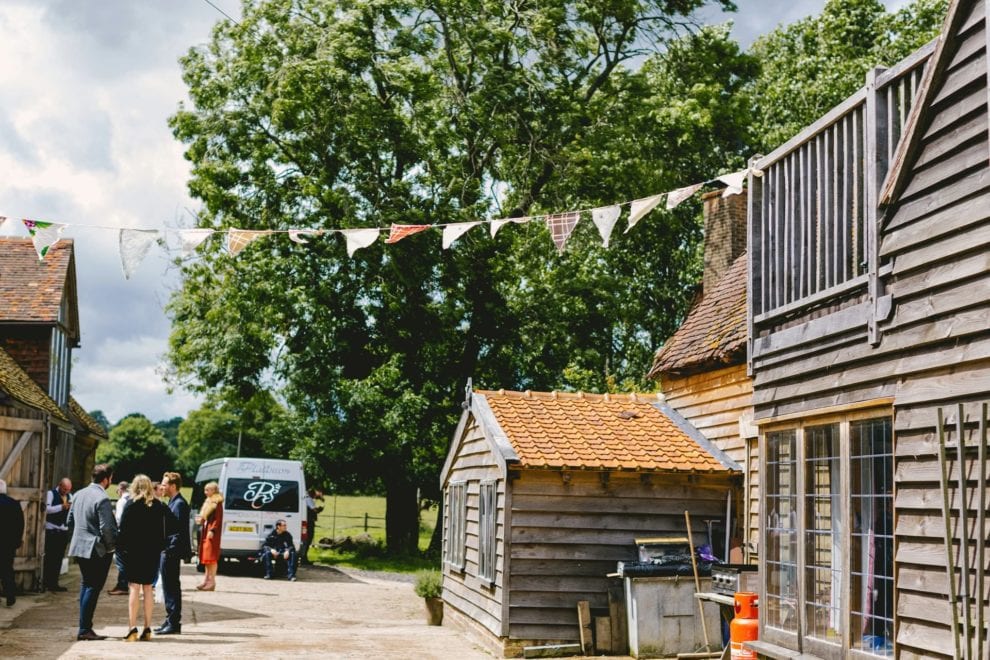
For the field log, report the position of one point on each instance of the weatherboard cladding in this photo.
(562, 430)
(714, 332)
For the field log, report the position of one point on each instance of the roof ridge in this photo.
(554, 395)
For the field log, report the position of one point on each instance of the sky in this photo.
(86, 89)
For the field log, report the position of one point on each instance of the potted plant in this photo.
(429, 586)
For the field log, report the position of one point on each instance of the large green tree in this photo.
(136, 446)
(328, 114)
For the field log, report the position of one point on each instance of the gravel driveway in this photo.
(327, 613)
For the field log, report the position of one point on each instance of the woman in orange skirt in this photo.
(211, 518)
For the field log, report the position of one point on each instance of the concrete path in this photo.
(328, 613)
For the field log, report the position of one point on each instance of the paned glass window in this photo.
(456, 525)
(487, 521)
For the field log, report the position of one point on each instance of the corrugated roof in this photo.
(714, 332)
(31, 290)
(85, 420)
(15, 382)
(561, 430)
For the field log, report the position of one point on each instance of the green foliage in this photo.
(101, 419)
(813, 64)
(429, 584)
(170, 429)
(136, 446)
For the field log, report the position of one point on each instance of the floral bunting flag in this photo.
(501, 222)
(640, 207)
(134, 245)
(238, 239)
(674, 198)
(452, 232)
(605, 218)
(398, 232)
(561, 225)
(43, 235)
(733, 182)
(298, 235)
(190, 239)
(359, 238)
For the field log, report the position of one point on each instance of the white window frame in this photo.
(487, 530)
(456, 530)
(800, 639)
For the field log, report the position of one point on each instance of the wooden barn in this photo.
(869, 317)
(44, 433)
(546, 492)
(702, 366)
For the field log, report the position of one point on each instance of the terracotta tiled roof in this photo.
(594, 431)
(85, 420)
(31, 290)
(714, 332)
(16, 383)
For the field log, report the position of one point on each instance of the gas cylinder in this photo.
(745, 626)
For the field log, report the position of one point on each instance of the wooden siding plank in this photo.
(970, 72)
(925, 179)
(976, 265)
(21, 424)
(973, 102)
(946, 385)
(953, 217)
(844, 320)
(970, 127)
(961, 188)
(944, 248)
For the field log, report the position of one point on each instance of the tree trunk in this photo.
(436, 540)
(401, 517)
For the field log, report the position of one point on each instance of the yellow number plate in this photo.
(240, 528)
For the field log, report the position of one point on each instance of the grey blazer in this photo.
(94, 530)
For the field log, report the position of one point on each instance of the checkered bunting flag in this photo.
(561, 225)
(238, 239)
(398, 232)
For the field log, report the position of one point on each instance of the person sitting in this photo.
(277, 546)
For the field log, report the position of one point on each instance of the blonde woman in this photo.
(141, 542)
(211, 518)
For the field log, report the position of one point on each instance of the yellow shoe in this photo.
(146, 635)
(132, 636)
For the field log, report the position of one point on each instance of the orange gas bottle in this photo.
(745, 626)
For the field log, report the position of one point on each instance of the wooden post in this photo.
(877, 136)
(963, 531)
(946, 509)
(584, 626)
(603, 634)
(981, 532)
(697, 582)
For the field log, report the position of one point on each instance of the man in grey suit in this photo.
(94, 535)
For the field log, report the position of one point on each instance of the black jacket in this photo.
(279, 542)
(177, 544)
(11, 523)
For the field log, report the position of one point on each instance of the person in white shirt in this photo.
(123, 497)
(57, 503)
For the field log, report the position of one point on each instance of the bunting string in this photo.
(134, 243)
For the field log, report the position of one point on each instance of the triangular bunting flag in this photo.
(190, 239)
(3, 219)
(452, 232)
(398, 232)
(298, 235)
(43, 235)
(134, 245)
(733, 182)
(238, 239)
(675, 197)
(359, 238)
(605, 218)
(501, 222)
(641, 207)
(561, 225)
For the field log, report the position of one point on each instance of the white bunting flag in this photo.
(238, 239)
(733, 182)
(605, 218)
(190, 239)
(299, 235)
(677, 196)
(641, 207)
(501, 222)
(43, 235)
(3, 219)
(452, 232)
(561, 225)
(359, 238)
(134, 245)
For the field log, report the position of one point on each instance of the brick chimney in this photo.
(725, 233)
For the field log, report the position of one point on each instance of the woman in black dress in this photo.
(141, 541)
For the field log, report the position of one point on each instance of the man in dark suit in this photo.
(94, 535)
(12, 524)
(177, 549)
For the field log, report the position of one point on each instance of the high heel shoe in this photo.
(132, 636)
(146, 635)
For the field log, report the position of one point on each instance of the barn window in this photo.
(828, 537)
(487, 540)
(456, 525)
